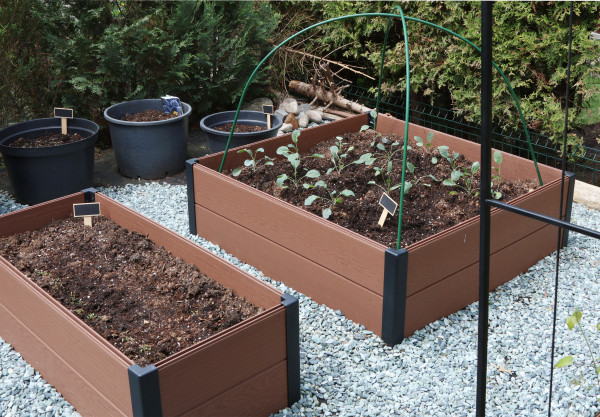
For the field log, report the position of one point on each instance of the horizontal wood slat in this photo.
(319, 283)
(461, 289)
(242, 283)
(458, 247)
(325, 243)
(215, 367)
(36, 217)
(257, 397)
(70, 350)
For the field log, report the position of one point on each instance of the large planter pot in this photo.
(251, 368)
(218, 139)
(148, 150)
(391, 292)
(41, 174)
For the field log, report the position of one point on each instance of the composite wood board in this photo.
(242, 283)
(462, 288)
(460, 245)
(323, 285)
(512, 167)
(38, 216)
(73, 341)
(219, 366)
(308, 138)
(180, 358)
(359, 259)
(72, 385)
(259, 396)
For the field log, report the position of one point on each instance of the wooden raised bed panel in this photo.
(390, 292)
(251, 368)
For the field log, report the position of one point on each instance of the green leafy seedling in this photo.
(338, 155)
(427, 146)
(252, 161)
(496, 177)
(292, 154)
(334, 197)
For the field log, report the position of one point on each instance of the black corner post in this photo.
(570, 192)
(145, 391)
(189, 176)
(292, 325)
(394, 296)
(484, 208)
(89, 195)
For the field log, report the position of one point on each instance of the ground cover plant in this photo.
(146, 302)
(345, 188)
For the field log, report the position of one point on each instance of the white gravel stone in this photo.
(315, 116)
(286, 128)
(302, 120)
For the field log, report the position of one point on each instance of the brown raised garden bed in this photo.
(251, 368)
(391, 292)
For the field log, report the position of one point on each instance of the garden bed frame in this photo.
(391, 292)
(251, 368)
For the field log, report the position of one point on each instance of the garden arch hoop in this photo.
(404, 19)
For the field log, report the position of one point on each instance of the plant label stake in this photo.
(389, 207)
(87, 211)
(268, 110)
(63, 114)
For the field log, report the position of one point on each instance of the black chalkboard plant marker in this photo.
(268, 110)
(389, 207)
(87, 211)
(63, 114)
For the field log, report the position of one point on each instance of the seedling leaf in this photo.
(566, 361)
(313, 173)
(347, 193)
(311, 199)
(497, 157)
(326, 213)
(236, 172)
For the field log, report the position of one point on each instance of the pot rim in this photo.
(186, 107)
(274, 126)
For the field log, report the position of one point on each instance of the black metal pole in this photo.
(484, 208)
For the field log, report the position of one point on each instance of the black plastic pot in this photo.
(148, 150)
(41, 174)
(217, 139)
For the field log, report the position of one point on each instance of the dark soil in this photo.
(239, 128)
(55, 139)
(143, 300)
(428, 206)
(148, 116)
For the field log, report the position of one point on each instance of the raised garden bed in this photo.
(391, 292)
(250, 368)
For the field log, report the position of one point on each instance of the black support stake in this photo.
(89, 195)
(484, 208)
(292, 325)
(189, 176)
(394, 296)
(570, 192)
(145, 391)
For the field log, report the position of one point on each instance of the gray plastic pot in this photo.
(148, 150)
(217, 139)
(41, 174)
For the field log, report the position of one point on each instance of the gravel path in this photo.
(348, 371)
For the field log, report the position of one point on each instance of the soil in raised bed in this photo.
(239, 128)
(429, 206)
(54, 139)
(143, 300)
(148, 115)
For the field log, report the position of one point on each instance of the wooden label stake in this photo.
(268, 110)
(389, 207)
(63, 114)
(87, 211)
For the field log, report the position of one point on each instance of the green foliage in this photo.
(574, 320)
(333, 199)
(252, 162)
(292, 153)
(88, 54)
(530, 46)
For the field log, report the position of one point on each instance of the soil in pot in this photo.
(146, 302)
(54, 139)
(429, 206)
(239, 128)
(148, 115)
